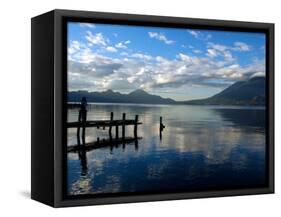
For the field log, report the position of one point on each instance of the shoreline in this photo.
(260, 107)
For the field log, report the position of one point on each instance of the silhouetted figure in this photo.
(83, 110)
(82, 117)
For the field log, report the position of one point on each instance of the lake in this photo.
(202, 147)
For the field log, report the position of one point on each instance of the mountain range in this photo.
(249, 92)
(137, 96)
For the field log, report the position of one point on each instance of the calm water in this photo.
(201, 147)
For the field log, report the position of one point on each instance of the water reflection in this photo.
(83, 184)
(201, 147)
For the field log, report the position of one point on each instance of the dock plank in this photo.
(102, 144)
(101, 123)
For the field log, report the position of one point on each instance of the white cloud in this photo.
(96, 39)
(200, 35)
(74, 47)
(119, 84)
(124, 53)
(121, 45)
(215, 50)
(258, 74)
(184, 71)
(241, 46)
(197, 51)
(84, 55)
(184, 57)
(218, 47)
(160, 37)
(92, 71)
(89, 25)
(193, 33)
(141, 56)
(111, 49)
(160, 59)
(211, 53)
(226, 51)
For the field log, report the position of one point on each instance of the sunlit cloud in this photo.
(111, 49)
(195, 34)
(156, 72)
(241, 46)
(160, 37)
(200, 35)
(197, 51)
(95, 39)
(88, 25)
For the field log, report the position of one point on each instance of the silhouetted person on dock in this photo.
(83, 110)
(82, 117)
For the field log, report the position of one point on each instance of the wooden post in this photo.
(83, 136)
(123, 125)
(110, 136)
(136, 144)
(78, 134)
(116, 131)
(161, 127)
(110, 124)
(78, 128)
(136, 126)
(84, 119)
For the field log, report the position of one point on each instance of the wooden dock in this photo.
(106, 124)
(103, 143)
(102, 123)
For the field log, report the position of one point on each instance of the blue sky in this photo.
(181, 64)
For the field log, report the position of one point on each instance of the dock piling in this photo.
(83, 123)
(123, 125)
(116, 131)
(136, 126)
(110, 124)
(161, 127)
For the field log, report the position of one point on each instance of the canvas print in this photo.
(157, 109)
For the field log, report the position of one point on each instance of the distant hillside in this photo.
(250, 92)
(137, 96)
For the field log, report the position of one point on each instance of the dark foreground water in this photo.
(202, 147)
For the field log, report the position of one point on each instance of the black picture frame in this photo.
(49, 88)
